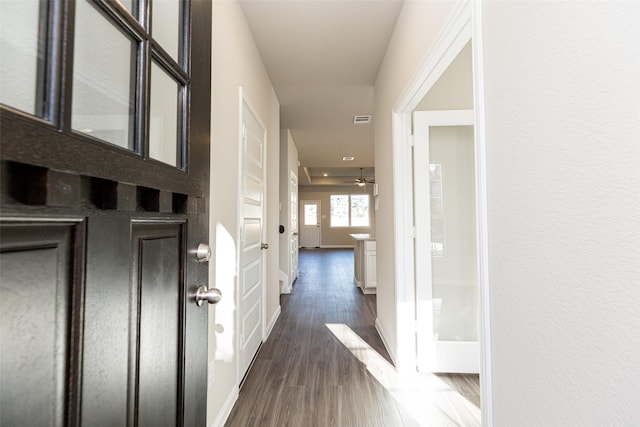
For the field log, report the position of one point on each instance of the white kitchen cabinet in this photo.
(364, 262)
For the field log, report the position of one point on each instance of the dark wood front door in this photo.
(105, 117)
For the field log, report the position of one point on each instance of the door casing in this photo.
(464, 24)
(294, 225)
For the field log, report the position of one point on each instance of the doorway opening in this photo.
(463, 27)
(310, 225)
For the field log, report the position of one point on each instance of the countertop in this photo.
(362, 236)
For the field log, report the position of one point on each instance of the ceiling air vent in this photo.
(361, 120)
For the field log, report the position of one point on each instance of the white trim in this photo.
(225, 411)
(464, 23)
(454, 36)
(285, 288)
(486, 384)
(403, 229)
(236, 327)
(272, 322)
(383, 337)
(336, 246)
(291, 241)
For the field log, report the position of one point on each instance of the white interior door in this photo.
(251, 243)
(310, 229)
(293, 189)
(446, 242)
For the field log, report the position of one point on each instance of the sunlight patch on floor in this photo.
(221, 317)
(425, 398)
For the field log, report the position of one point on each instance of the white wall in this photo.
(235, 63)
(417, 27)
(563, 155)
(454, 88)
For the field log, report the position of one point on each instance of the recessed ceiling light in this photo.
(348, 158)
(325, 174)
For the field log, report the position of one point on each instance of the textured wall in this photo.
(563, 154)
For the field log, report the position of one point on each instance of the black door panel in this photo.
(99, 324)
(36, 288)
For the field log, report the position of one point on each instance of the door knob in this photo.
(203, 253)
(264, 246)
(212, 296)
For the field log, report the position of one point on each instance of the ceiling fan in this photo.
(362, 181)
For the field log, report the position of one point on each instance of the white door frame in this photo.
(464, 24)
(242, 100)
(295, 234)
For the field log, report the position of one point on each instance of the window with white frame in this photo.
(350, 210)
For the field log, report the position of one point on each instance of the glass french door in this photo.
(446, 257)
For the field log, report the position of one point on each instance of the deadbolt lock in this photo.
(203, 253)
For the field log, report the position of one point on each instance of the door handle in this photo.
(264, 246)
(212, 296)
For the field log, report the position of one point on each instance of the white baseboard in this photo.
(383, 336)
(272, 323)
(336, 246)
(284, 288)
(225, 411)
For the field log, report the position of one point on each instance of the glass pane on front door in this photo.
(103, 86)
(20, 55)
(130, 6)
(166, 25)
(163, 132)
(311, 214)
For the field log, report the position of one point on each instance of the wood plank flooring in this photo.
(324, 363)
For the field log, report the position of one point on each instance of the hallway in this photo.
(325, 365)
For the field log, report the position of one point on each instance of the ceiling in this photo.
(323, 57)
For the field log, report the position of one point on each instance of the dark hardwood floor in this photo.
(324, 363)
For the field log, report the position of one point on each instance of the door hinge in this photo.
(244, 131)
(412, 140)
(413, 232)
